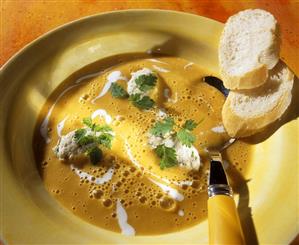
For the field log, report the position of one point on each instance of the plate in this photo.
(268, 202)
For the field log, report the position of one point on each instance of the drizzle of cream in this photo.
(60, 126)
(175, 98)
(167, 96)
(122, 219)
(120, 117)
(137, 163)
(98, 181)
(166, 181)
(157, 61)
(183, 182)
(181, 213)
(219, 129)
(102, 113)
(44, 126)
(189, 64)
(173, 193)
(166, 93)
(130, 155)
(160, 114)
(160, 69)
(111, 78)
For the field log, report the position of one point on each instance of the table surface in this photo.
(23, 21)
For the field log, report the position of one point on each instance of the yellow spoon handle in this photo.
(224, 222)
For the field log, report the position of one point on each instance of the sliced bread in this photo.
(249, 47)
(249, 111)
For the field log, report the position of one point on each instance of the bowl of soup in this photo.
(82, 161)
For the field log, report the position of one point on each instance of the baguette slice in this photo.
(247, 112)
(249, 47)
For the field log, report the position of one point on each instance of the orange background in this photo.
(24, 20)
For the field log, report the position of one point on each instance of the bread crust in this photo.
(239, 126)
(249, 80)
(265, 58)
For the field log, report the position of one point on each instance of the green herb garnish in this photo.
(105, 140)
(144, 102)
(146, 82)
(167, 155)
(88, 122)
(95, 155)
(118, 91)
(102, 128)
(94, 137)
(162, 128)
(185, 137)
(190, 125)
(80, 133)
(86, 140)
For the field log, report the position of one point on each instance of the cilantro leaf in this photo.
(168, 156)
(92, 137)
(104, 128)
(105, 140)
(118, 91)
(144, 102)
(82, 139)
(95, 155)
(190, 125)
(88, 122)
(146, 82)
(86, 140)
(79, 133)
(185, 137)
(162, 128)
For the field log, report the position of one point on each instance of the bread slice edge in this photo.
(252, 79)
(238, 126)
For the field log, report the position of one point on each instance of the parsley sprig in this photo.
(184, 135)
(190, 125)
(95, 155)
(144, 83)
(162, 128)
(142, 102)
(168, 156)
(118, 91)
(92, 137)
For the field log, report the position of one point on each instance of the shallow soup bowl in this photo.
(267, 201)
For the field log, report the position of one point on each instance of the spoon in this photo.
(224, 222)
(216, 83)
